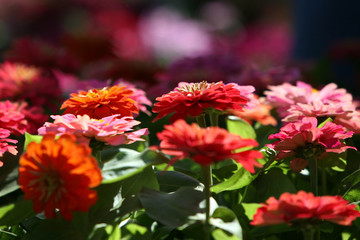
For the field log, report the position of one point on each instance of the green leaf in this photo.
(134, 184)
(31, 138)
(8, 176)
(14, 213)
(226, 219)
(171, 209)
(219, 234)
(127, 163)
(171, 181)
(349, 182)
(274, 183)
(240, 127)
(134, 231)
(329, 119)
(250, 209)
(239, 180)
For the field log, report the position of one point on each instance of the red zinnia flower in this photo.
(102, 103)
(194, 98)
(57, 174)
(207, 145)
(292, 208)
(6, 144)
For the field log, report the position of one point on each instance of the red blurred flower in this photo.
(194, 98)
(11, 118)
(19, 82)
(305, 207)
(207, 145)
(102, 103)
(57, 174)
(304, 140)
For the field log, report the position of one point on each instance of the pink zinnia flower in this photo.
(6, 144)
(207, 145)
(11, 118)
(194, 98)
(286, 95)
(110, 130)
(303, 140)
(305, 208)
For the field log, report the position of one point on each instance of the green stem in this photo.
(214, 119)
(323, 181)
(201, 120)
(313, 168)
(206, 175)
(308, 233)
(98, 156)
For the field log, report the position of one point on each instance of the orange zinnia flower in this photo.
(57, 174)
(207, 145)
(102, 103)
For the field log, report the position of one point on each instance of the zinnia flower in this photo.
(305, 208)
(6, 144)
(110, 130)
(11, 118)
(304, 140)
(58, 174)
(194, 98)
(207, 145)
(19, 82)
(101, 103)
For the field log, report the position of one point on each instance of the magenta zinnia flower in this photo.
(110, 130)
(11, 118)
(304, 140)
(194, 98)
(207, 145)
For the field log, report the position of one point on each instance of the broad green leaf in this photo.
(239, 180)
(127, 163)
(240, 127)
(250, 209)
(349, 182)
(171, 181)
(219, 234)
(134, 231)
(263, 132)
(134, 184)
(226, 219)
(171, 209)
(31, 138)
(9, 175)
(274, 183)
(14, 213)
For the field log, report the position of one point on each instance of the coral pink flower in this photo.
(20, 82)
(110, 130)
(260, 113)
(207, 145)
(305, 207)
(303, 140)
(194, 98)
(11, 118)
(6, 144)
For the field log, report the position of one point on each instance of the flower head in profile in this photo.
(110, 130)
(58, 174)
(101, 103)
(194, 98)
(303, 140)
(306, 208)
(207, 145)
(6, 144)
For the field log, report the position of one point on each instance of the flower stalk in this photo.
(313, 168)
(206, 176)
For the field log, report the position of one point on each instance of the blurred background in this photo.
(155, 44)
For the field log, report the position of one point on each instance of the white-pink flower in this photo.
(110, 130)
